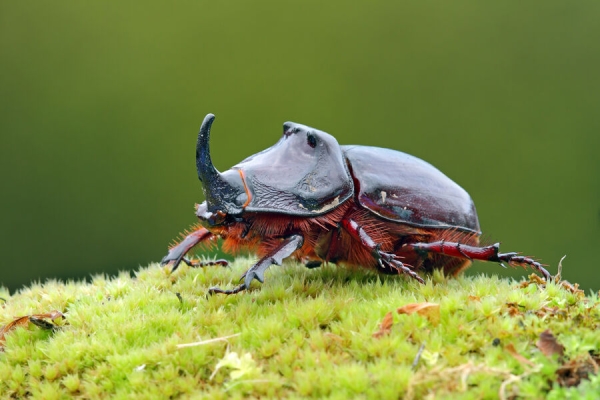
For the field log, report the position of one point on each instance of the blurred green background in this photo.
(100, 103)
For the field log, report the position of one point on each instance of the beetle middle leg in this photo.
(284, 250)
(386, 261)
(487, 253)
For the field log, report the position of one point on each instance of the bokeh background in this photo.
(100, 103)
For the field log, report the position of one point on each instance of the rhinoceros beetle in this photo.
(309, 198)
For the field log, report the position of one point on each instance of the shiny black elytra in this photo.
(309, 198)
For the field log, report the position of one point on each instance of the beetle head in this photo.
(224, 192)
(303, 174)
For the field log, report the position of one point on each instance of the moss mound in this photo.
(328, 332)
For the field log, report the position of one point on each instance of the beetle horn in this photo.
(206, 170)
(221, 191)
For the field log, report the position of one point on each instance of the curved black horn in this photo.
(206, 170)
(219, 191)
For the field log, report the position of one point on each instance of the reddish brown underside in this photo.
(324, 241)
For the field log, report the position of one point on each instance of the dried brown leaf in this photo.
(533, 279)
(37, 319)
(548, 344)
(572, 372)
(552, 311)
(431, 311)
(385, 327)
(573, 288)
(21, 321)
(53, 315)
(514, 309)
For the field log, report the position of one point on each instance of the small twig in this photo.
(558, 276)
(208, 341)
(418, 356)
(510, 380)
(465, 371)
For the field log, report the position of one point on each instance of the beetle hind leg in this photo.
(514, 260)
(487, 253)
(388, 261)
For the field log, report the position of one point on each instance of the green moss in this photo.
(304, 333)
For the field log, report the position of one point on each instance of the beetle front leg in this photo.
(385, 260)
(286, 249)
(487, 253)
(177, 253)
(205, 263)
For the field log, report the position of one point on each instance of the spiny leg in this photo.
(205, 263)
(487, 253)
(385, 260)
(177, 253)
(310, 262)
(284, 250)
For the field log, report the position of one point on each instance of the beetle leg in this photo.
(207, 263)
(385, 260)
(390, 260)
(311, 264)
(285, 249)
(487, 253)
(514, 260)
(177, 253)
(465, 255)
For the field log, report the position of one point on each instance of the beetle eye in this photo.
(311, 140)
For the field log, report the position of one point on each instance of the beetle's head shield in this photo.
(304, 173)
(224, 192)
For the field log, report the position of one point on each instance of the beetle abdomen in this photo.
(403, 188)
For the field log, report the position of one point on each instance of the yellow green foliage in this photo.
(327, 332)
